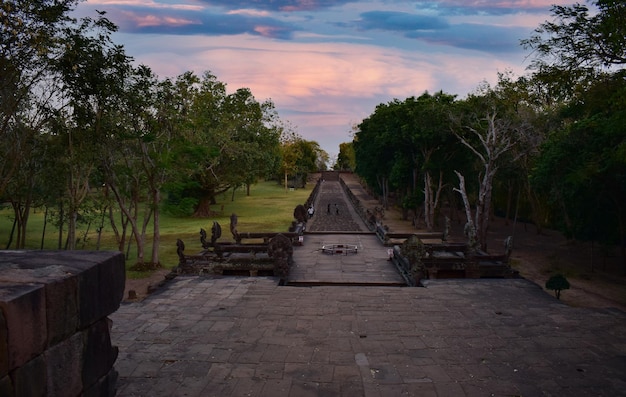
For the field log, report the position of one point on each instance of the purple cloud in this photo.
(399, 21)
(278, 5)
(487, 38)
(486, 7)
(188, 22)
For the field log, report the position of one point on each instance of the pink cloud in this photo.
(156, 20)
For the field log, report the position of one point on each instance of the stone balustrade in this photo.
(54, 327)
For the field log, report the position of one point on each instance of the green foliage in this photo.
(582, 167)
(268, 208)
(414, 134)
(557, 282)
(346, 160)
(299, 157)
(580, 40)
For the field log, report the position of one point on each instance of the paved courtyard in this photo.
(250, 337)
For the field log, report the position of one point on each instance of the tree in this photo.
(557, 282)
(576, 45)
(581, 169)
(225, 141)
(92, 70)
(346, 159)
(299, 157)
(137, 161)
(254, 136)
(577, 41)
(375, 150)
(494, 127)
(31, 39)
(429, 128)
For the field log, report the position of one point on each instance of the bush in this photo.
(558, 282)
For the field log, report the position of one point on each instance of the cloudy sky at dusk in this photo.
(326, 64)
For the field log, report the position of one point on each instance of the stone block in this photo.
(30, 378)
(99, 277)
(64, 367)
(62, 309)
(60, 283)
(101, 283)
(24, 310)
(59, 301)
(98, 354)
(6, 386)
(4, 347)
(105, 387)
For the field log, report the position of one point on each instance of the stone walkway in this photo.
(250, 337)
(334, 213)
(221, 336)
(369, 266)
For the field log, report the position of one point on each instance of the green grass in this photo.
(269, 208)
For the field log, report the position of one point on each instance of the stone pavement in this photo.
(364, 335)
(201, 336)
(334, 212)
(369, 266)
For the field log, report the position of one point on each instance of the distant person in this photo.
(336, 209)
(311, 211)
(328, 209)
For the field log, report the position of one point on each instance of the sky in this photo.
(327, 64)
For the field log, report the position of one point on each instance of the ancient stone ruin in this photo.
(54, 327)
(248, 253)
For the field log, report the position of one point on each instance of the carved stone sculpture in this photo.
(203, 241)
(299, 213)
(233, 226)
(508, 247)
(281, 250)
(216, 232)
(180, 250)
(413, 249)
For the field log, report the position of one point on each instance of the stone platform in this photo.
(250, 337)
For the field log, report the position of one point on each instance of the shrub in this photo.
(557, 282)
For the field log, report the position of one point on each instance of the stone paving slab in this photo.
(250, 337)
(334, 212)
(369, 265)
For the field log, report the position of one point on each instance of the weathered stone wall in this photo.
(54, 330)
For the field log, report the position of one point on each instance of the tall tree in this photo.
(92, 70)
(494, 128)
(31, 39)
(345, 159)
(430, 119)
(578, 41)
(374, 148)
(299, 157)
(582, 167)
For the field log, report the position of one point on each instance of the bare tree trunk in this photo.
(484, 204)
(466, 204)
(470, 229)
(12, 233)
(156, 233)
(431, 199)
(427, 201)
(45, 223)
(61, 214)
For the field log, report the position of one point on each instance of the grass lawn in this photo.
(269, 208)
